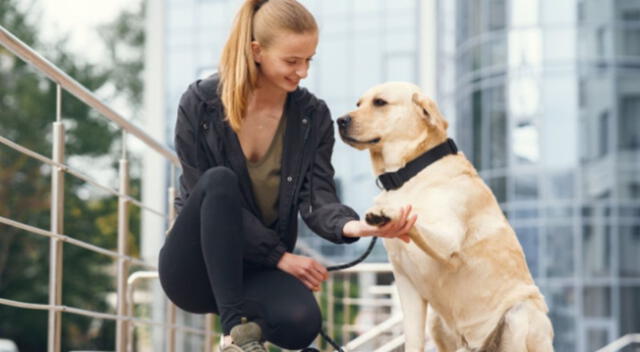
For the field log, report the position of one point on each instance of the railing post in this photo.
(330, 306)
(318, 297)
(346, 306)
(208, 337)
(57, 225)
(123, 265)
(171, 308)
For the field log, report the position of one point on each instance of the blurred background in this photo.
(543, 96)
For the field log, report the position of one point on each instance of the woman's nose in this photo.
(303, 71)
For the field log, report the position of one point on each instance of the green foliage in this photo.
(27, 111)
(342, 286)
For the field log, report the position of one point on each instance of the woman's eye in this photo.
(379, 102)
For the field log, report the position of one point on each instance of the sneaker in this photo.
(246, 338)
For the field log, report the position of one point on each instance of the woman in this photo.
(255, 150)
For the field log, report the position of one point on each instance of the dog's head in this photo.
(396, 122)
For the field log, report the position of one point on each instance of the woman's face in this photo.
(285, 62)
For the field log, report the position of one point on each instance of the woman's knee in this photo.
(219, 175)
(299, 327)
(221, 180)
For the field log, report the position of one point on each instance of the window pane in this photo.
(596, 247)
(525, 143)
(629, 251)
(497, 117)
(629, 310)
(498, 186)
(629, 123)
(559, 251)
(596, 338)
(477, 130)
(526, 187)
(561, 301)
(561, 185)
(597, 302)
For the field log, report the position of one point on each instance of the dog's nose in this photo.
(344, 121)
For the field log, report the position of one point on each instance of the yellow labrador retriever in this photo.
(464, 264)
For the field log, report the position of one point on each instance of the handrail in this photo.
(80, 175)
(56, 233)
(620, 343)
(81, 244)
(27, 54)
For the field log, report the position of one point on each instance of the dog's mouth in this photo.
(355, 141)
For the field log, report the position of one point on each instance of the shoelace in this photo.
(253, 346)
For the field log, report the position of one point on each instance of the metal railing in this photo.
(56, 233)
(350, 303)
(379, 304)
(619, 344)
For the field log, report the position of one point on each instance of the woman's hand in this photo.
(396, 228)
(307, 270)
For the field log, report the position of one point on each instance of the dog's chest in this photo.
(408, 259)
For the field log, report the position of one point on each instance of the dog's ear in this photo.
(422, 104)
(428, 109)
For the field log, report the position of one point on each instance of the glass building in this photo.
(362, 43)
(546, 100)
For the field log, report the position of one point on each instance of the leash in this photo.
(342, 267)
(357, 261)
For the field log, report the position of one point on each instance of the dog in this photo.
(464, 273)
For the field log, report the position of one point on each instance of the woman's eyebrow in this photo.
(300, 57)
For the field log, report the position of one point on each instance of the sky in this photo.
(78, 19)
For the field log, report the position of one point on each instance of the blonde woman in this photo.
(256, 150)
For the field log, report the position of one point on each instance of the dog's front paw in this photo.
(377, 219)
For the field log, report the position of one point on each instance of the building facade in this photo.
(546, 100)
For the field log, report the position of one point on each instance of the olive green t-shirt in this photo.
(265, 176)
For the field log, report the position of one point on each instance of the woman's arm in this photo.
(319, 205)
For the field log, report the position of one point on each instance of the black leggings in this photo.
(201, 269)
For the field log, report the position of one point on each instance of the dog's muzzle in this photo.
(344, 123)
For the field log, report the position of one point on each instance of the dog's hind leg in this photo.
(526, 329)
(443, 337)
(540, 337)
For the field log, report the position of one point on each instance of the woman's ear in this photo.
(256, 50)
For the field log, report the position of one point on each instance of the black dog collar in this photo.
(394, 180)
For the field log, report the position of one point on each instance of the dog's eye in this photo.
(379, 102)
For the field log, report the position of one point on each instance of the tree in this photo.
(27, 110)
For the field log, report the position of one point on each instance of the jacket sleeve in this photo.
(262, 246)
(319, 205)
(185, 144)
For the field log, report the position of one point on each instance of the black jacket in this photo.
(203, 139)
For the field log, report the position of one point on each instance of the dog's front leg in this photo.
(414, 308)
(379, 216)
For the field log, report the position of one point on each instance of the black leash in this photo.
(357, 261)
(341, 267)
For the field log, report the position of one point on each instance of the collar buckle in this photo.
(391, 180)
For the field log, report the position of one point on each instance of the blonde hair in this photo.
(259, 20)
